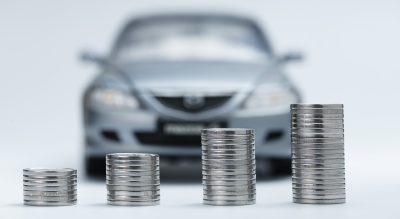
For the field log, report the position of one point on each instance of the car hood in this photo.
(198, 77)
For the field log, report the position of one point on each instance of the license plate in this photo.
(187, 128)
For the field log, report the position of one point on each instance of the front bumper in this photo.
(113, 132)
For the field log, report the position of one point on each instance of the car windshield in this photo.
(195, 40)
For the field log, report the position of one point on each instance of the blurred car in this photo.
(170, 76)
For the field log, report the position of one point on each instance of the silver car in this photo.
(169, 76)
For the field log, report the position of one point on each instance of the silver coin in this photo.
(132, 198)
(229, 162)
(208, 156)
(131, 167)
(44, 177)
(132, 178)
(306, 140)
(316, 116)
(131, 156)
(132, 188)
(230, 197)
(50, 184)
(133, 203)
(310, 147)
(318, 166)
(229, 187)
(318, 186)
(232, 192)
(228, 172)
(132, 182)
(317, 131)
(228, 151)
(314, 151)
(150, 181)
(319, 191)
(318, 176)
(317, 126)
(317, 121)
(301, 136)
(316, 111)
(130, 185)
(227, 145)
(50, 180)
(216, 139)
(235, 152)
(137, 162)
(49, 203)
(317, 156)
(49, 172)
(228, 131)
(50, 193)
(134, 193)
(311, 196)
(325, 169)
(232, 159)
(229, 177)
(319, 201)
(49, 188)
(228, 166)
(50, 198)
(317, 161)
(310, 177)
(132, 163)
(228, 158)
(229, 182)
(318, 171)
(311, 119)
(228, 203)
(316, 106)
(317, 135)
(131, 173)
(302, 180)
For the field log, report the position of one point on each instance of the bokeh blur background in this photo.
(351, 51)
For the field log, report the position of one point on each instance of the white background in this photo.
(352, 56)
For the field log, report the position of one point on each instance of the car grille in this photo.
(208, 103)
(158, 138)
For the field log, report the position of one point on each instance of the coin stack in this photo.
(133, 179)
(228, 166)
(318, 169)
(49, 187)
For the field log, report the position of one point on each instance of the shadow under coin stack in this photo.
(133, 179)
(228, 166)
(318, 169)
(50, 187)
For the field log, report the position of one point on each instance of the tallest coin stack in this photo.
(318, 170)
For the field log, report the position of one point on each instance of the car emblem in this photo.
(193, 101)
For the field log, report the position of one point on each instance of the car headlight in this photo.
(113, 98)
(267, 97)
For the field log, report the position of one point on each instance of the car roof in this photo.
(136, 21)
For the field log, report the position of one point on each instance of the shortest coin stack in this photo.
(318, 169)
(50, 187)
(133, 179)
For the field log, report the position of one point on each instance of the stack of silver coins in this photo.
(318, 168)
(49, 187)
(133, 179)
(228, 166)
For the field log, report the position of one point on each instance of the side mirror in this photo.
(290, 57)
(88, 56)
